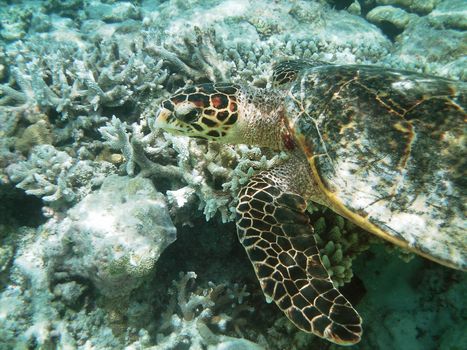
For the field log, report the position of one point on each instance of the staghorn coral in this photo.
(213, 50)
(83, 77)
(215, 172)
(186, 319)
(200, 52)
(55, 176)
(44, 175)
(134, 146)
(79, 79)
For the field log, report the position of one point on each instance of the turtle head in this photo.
(207, 111)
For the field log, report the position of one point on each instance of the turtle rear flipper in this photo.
(276, 233)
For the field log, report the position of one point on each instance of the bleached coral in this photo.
(117, 234)
(44, 175)
(55, 176)
(216, 172)
(198, 58)
(186, 319)
(239, 42)
(213, 172)
(82, 79)
(135, 146)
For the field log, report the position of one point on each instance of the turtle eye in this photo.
(187, 114)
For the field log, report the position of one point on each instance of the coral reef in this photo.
(110, 241)
(339, 241)
(114, 236)
(215, 172)
(80, 82)
(55, 176)
(189, 326)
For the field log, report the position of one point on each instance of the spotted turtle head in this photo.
(207, 111)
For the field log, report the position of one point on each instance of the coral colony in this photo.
(117, 235)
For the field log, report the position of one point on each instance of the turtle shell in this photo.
(387, 150)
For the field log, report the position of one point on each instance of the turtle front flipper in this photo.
(276, 233)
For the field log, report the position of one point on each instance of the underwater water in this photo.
(116, 234)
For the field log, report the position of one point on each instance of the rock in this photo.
(69, 292)
(436, 51)
(116, 12)
(40, 23)
(12, 31)
(344, 29)
(38, 133)
(355, 8)
(419, 6)
(450, 14)
(389, 14)
(118, 233)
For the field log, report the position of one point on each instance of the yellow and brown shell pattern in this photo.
(388, 151)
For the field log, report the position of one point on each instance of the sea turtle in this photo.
(383, 148)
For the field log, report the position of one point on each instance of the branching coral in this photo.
(339, 241)
(216, 171)
(74, 79)
(44, 175)
(134, 147)
(61, 79)
(189, 315)
(77, 80)
(55, 176)
(198, 58)
(213, 172)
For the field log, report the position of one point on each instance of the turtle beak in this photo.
(162, 117)
(166, 121)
